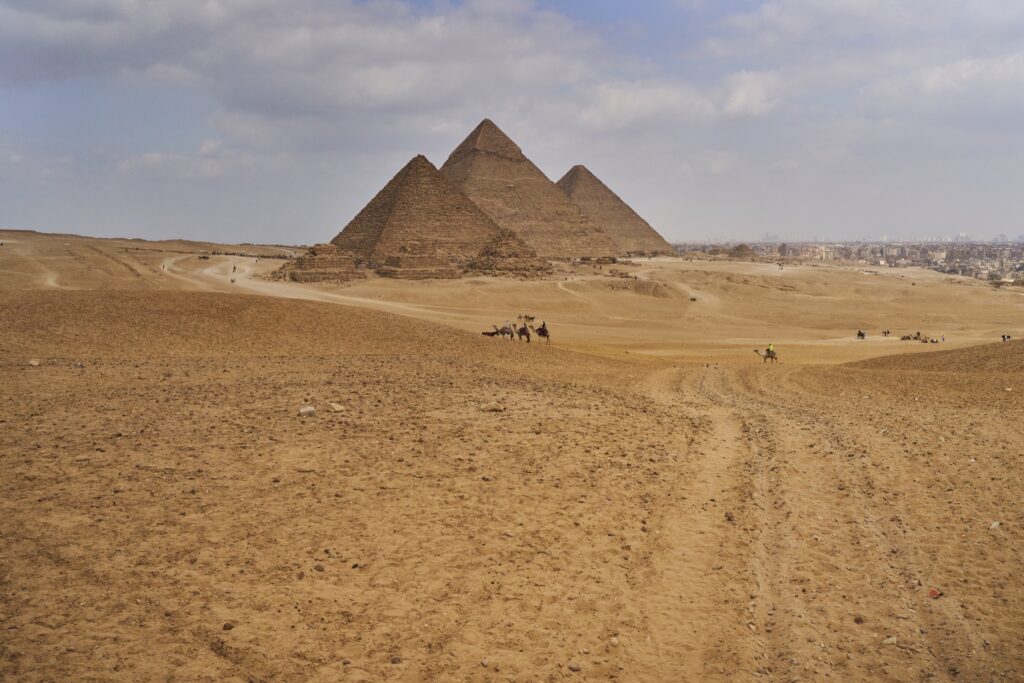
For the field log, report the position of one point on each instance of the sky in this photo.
(276, 122)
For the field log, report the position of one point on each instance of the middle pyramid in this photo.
(492, 171)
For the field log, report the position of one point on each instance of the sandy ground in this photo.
(647, 501)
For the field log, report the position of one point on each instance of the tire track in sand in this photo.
(697, 597)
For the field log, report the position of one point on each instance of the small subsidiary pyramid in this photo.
(630, 233)
(322, 263)
(419, 225)
(508, 254)
(493, 172)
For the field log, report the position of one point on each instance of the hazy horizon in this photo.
(723, 121)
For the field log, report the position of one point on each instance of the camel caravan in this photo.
(523, 329)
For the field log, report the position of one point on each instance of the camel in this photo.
(768, 355)
(505, 331)
(860, 334)
(542, 331)
(524, 331)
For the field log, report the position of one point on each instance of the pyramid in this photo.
(493, 172)
(631, 233)
(419, 225)
(507, 253)
(322, 263)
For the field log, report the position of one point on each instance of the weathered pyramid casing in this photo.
(417, 224)
(493, 172)
(631, 233)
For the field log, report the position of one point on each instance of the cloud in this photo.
(625, 104)
(211, 160)
(750, 93)
(974, 86)
(313, 95)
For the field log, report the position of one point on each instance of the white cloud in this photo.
(625, 104)
(312, 88)
(211, 160)
(749, 93)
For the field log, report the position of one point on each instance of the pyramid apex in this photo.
(489, 139)
(420, 160)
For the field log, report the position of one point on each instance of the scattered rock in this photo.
(891, 640)
(307, 411)
(487, 477)
(934, 593)
(483, 662)
(228, 626)
(336, 407)
(346, 661)
(993, 525)
(573, 666)
(395, 659)
(318, 567)
(729, 517)
(34, 362)
(858, 619)
(613, 641)
(493, 407)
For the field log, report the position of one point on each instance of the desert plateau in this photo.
(641, 499)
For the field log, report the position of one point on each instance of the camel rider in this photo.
(771, 348)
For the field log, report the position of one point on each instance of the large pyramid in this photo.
(419, 225)
(493, 172)
(631, 233)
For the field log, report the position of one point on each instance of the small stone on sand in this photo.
(307, 411)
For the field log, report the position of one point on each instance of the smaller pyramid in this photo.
(322, 263)
(630, 233)
(508, 254)
(418, 226)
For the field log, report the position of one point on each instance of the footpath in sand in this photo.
(477, 509)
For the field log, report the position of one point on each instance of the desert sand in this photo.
(641, 500)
